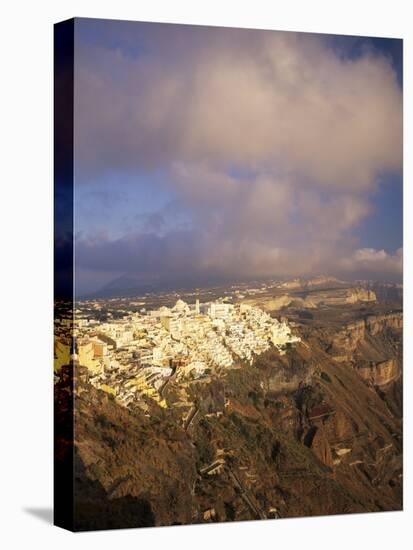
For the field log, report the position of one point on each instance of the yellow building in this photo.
(61, 353)
(86, 356)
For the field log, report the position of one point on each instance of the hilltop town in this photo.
(232, 403)
(135, 356)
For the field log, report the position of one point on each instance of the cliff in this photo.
(312, 299)
(381, 373)
(295, 435)
(378, 323)
(373, 344)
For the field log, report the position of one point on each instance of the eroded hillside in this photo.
(317, 430)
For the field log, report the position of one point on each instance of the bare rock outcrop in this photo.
(348, 339)
(380, 374)
(311, 299)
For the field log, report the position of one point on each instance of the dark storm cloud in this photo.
(143, 253)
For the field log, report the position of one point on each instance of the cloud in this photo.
(144, 253)
(372, 261)
(271, 143)
(257, 100)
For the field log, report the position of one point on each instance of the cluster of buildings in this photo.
(137, 354)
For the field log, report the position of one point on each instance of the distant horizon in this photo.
(108, 293)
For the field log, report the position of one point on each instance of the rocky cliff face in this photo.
(378, 323)
(347, 339)
(316, 298)
(380, 374)
(341, 297)
(373, 346)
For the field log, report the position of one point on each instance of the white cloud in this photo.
(370, 260)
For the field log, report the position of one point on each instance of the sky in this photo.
(209, 154)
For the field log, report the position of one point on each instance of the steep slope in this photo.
(294, 435)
